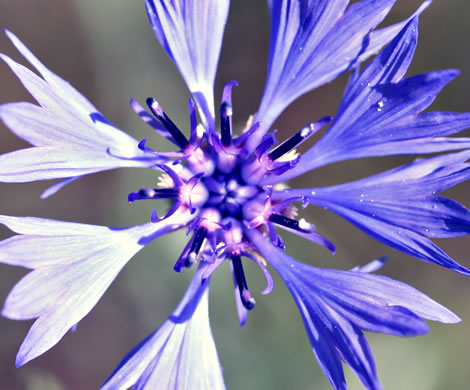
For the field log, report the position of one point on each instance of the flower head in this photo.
(227, 189)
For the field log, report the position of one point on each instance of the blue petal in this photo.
(72, 266)
(191, 32)
(180, 355)
(337, 305)
(380, 113)
(312, 42)
(65, 123)
(401, 207)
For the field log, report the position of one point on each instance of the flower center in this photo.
(228, 192)
(218, 181)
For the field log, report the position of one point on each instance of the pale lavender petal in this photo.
(55, 162)
(63, 123)
(69, 122)
(73, 265)
(241, 310)
(180, 355)
(60, 85)
(191, 32)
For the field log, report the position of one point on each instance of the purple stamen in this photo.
(192, 122)
(291, 143)
(161, 116)
(142, 145)
(301, 228)
(269, 280)
(196, 245)
(150, 120)
(238, 141)
(267, 141)
(225, 123)
(298, 138)
(226, 113)
(247, 300)
(173, 175)
(289, 223)
(153, 193)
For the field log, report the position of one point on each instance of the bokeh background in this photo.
(107, 50)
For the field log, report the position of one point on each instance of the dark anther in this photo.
(245, 296)
(225, 123)
(200, 235)
(291, 143)
(154, 193)
(161, 116)
(287, 222)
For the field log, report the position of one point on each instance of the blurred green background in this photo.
(107, 50)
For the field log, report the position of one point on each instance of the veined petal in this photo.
(313, 42)
(73, 265)
(54, 162)
(180, 355)
(339, 44)
(191, 33)
(337, 305)
(65, 122)
(380, 113)
(61, 86)
(401, 207)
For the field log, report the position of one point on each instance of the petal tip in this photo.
(4, 57)
(450, 318)
(21, 359)
(9, 34)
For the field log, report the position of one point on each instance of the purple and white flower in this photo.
(228, 190)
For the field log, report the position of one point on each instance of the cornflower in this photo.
(228, 191)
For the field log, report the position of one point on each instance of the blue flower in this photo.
(228, 191)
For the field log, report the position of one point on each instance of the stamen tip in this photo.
(141, 144)
(306, 131)
(154, 216)
(249, 304)
(190, 260)
(154, 106)
(226, 109)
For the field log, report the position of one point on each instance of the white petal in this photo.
(73, 266)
